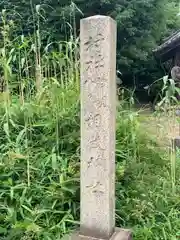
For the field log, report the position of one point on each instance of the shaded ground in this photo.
(164, 126)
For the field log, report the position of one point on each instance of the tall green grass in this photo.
(39, 131)
(39, 166)
(40, 145)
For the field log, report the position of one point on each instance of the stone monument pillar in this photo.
(98, 118)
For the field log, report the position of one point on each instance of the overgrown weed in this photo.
(40, 145)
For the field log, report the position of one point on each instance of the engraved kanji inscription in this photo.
(90, 162)
(98, 81)
(94, 58)
(96, 187)
(97, 160)
(97, 140)
(98, 101)
(93, 42)
(93, 119)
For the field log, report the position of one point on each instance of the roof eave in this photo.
(168, 47)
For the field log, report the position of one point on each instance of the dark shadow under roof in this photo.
(168, 48)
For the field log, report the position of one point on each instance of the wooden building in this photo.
(169, 49)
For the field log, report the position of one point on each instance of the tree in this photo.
(141, 25)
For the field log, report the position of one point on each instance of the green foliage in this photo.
(141, 25)
(39, 166)
(164, 93)
(39, 171)
(169, 93)
(40, 130)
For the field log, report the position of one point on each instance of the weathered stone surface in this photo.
(119, 234)
(98, 113)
